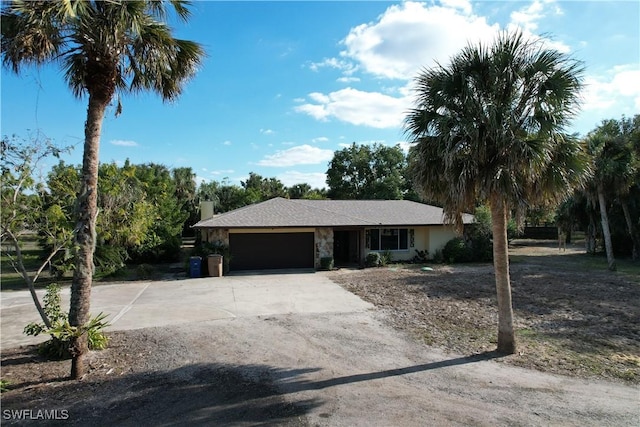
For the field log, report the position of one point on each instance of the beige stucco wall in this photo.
(438, 237)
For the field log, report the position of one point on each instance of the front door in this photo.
(345, 247)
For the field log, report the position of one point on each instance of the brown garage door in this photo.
(261, 251)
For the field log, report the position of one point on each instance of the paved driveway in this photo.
(134, 305)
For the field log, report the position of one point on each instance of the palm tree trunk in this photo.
(606, 232)
(590, 240)
(635, 239)
(85, 235)
(506, 333)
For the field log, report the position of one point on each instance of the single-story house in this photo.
(296, 233)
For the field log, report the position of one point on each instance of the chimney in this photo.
(206, 210)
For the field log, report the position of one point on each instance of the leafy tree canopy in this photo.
(367, 172)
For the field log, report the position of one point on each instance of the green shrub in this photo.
(326, 263)
(57, 347)
(4, 386)
(386, 258)
(373, 259)
(456, 250)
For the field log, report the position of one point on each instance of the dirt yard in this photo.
(423, 357)
(570, 320)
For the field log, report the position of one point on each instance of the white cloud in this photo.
(528, 16)
(314, 179)
(300, 155)
(320, 139)
(412, 35)
(347, 67)
(226, 143)
(222, 172)
(618, 89)
(463, 5)
(357, 107)
(267, 131)
(347, 79)
(123, 143)
(526, 19)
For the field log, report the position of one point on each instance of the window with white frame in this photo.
(389, 239)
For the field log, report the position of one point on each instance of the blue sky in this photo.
(285, 84)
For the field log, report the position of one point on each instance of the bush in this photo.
(373, 259)
(456, 250)
(326, 263)
(386, 258)
(62, 332)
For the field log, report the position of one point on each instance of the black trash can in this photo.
(195, 267)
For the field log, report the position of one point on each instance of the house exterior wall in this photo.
(430, 238)
(324, 243)
(213, 235)
(438, 237)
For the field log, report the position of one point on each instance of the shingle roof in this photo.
(279, 212)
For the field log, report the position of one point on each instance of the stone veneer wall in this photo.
(218, 234)
(324, 244)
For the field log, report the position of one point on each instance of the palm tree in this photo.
(616, 171)
(104, 48)
(489, 128)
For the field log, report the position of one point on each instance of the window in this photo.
(389, 239)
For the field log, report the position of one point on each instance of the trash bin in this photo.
(195, 267)
(215, 265)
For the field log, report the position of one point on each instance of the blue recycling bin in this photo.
(195, 267)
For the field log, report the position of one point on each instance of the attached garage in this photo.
(262, 251)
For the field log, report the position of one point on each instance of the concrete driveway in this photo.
(142, 304)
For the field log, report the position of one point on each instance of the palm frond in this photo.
(491, 121)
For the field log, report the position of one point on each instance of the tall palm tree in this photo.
(489, 127)
(104, 48)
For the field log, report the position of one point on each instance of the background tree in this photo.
(104, 48)
(614, 188)
(367, 172)
(185, 181)
(22, 206)
(164, 238)
(489, 127)
(231, 196)
(298, 191)
(258, 189)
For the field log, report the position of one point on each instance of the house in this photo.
(285, 233)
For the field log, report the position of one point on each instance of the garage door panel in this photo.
(261, 251)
